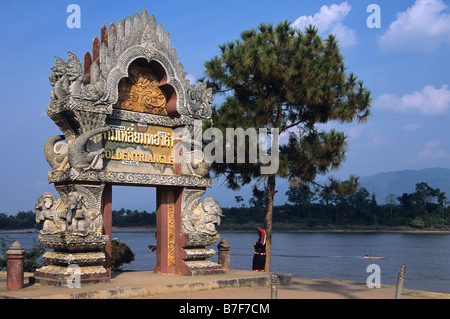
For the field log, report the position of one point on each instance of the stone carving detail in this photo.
(201, 99)
(79, 218)
(115, 74)
(50, 212)
(66, 77)
(190, 147)
(128, 178)
(56, 152)
(72, 215)
(204, 217)
(198, 222)
(82, 152)
(122, 43)
(72, 226)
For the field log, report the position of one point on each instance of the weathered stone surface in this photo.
(69, 241)
(204, 267)
(15, 249)
(199, 253)
(81, 259)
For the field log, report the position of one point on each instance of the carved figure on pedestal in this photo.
(96, 89)
(203, 97)
(49, 211)
(67, 79)
(204, 217)
(75, 74)
(73, 215)
(59, 80)
(94, 221)
(80, 218)
(75, 218)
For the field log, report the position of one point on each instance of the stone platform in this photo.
(138, 284)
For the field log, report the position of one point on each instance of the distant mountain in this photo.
(399, 182)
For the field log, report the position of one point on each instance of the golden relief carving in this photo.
(140, 91)
(171, 226)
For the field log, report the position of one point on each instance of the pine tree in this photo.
(279, 77)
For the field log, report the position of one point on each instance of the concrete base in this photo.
(138, 284)
(204, 267)
(68, 269)
(59, 276)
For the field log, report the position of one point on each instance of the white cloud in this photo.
(431, 150)
(411, 127)
(428, 101)
(329, 20)
(423, 26)
(378, 139)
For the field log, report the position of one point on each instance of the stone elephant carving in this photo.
(57, 157)
(77, 154)
(204, 217)
(79, 218)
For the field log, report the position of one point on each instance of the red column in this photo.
(107, 225)
(14, 266)
(162, 231)
(169, 252)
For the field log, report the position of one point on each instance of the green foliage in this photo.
(128, 218)
(310, 209)
(120, 254)
(32, 258)
(22, 220)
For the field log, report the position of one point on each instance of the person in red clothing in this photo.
(259, 259)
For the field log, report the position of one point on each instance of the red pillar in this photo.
(107, 225)
(170, 241)
(14, 266)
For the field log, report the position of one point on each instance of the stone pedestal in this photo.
(75, 257)
(197, 253)
(14, 274)
(224, 254)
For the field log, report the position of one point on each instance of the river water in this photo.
(323, 255)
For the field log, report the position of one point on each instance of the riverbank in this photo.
(235, 284)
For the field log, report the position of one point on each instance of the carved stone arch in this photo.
(135, 142)
(170, 82)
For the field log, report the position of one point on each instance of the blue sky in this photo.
(405, 63)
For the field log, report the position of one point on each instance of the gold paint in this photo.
(171, 227)
(140, 91)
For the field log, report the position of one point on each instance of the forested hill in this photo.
(399, 182)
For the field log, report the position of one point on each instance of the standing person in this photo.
(259, 259)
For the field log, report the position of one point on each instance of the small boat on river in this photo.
(372, 257)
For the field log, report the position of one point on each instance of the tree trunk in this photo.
(270, 193)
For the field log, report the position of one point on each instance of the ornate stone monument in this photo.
(128, 116)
